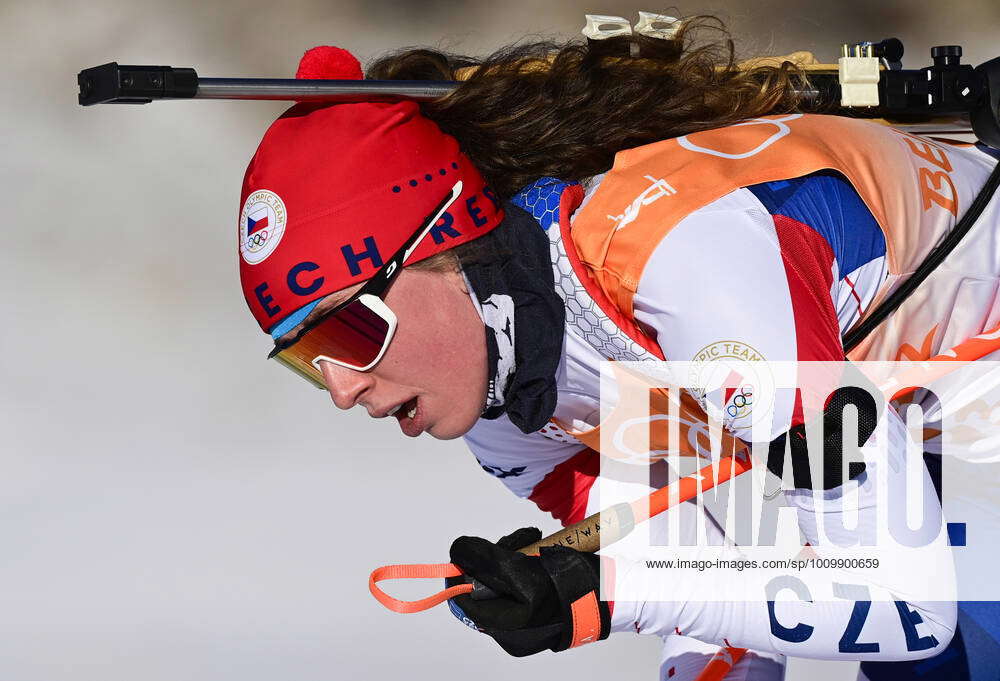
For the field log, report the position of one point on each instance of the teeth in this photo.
(411, 413)
(393, 410)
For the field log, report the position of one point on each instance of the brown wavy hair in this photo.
(563, 109)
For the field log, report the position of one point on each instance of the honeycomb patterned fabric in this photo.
(583, 315)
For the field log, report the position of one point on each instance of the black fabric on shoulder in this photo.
(510, 270)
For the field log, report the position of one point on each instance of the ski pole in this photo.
(609, 525)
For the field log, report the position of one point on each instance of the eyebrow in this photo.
(324, 306)
(335, 299)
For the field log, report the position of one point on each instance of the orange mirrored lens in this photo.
(306, 371)
(354, 335)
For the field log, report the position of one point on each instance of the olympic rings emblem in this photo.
(742, 402)
(255, 241)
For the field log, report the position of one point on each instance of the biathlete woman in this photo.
(464, 266)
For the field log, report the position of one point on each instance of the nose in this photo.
(346, 386)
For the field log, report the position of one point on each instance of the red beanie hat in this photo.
(334, 189)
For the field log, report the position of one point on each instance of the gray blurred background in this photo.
(173, 507)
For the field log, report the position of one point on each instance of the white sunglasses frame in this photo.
(378, 306)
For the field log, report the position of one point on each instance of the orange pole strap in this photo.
(643, 509)
(438, 571)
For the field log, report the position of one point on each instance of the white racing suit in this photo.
(739, 275)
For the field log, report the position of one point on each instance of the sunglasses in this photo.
(356, 333)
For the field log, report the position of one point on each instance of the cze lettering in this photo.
(849, 641)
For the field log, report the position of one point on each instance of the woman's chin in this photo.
(444, 433)
(451, 427)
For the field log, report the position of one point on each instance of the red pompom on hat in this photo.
(326, 62)
(335, 189)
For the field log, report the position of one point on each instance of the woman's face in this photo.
(432, 377)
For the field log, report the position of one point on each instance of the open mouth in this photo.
(407, 409)
(409, 416)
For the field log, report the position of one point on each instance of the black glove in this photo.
(543, 602)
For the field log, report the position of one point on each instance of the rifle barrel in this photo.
(319, 90)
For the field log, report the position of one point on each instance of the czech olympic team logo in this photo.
(262, 224)
(729, 379)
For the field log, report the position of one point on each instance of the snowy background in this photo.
(173, 507)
